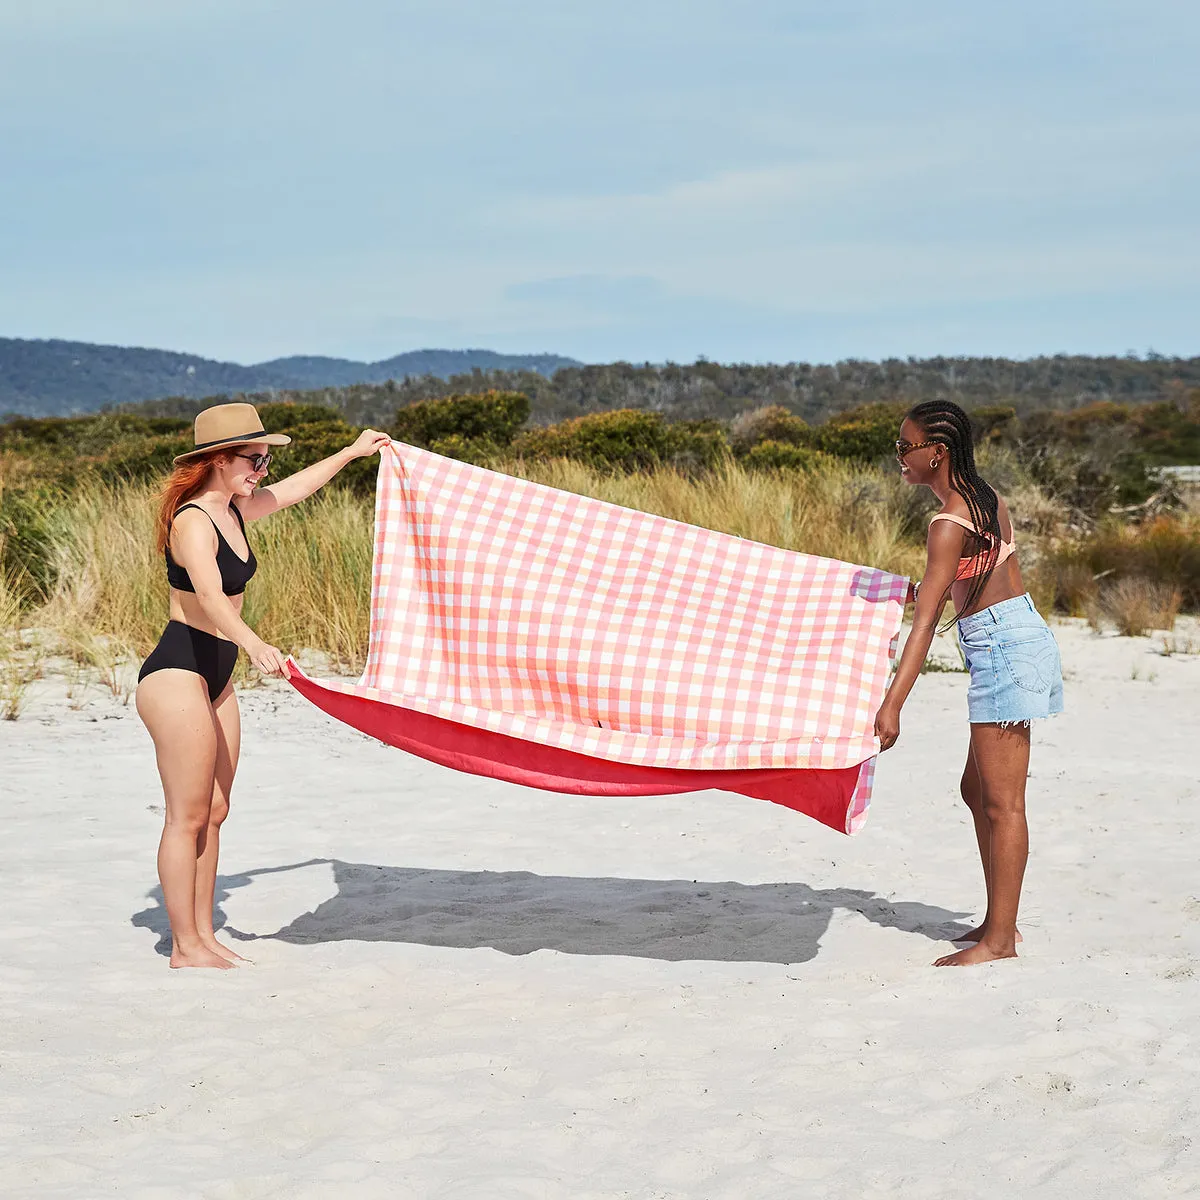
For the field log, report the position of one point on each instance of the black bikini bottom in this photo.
(185, 648)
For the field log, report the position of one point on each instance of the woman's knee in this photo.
(1004, 804)
(189, 818)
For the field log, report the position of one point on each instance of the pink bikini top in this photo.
(973, 565)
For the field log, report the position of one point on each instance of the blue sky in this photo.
(748, 181)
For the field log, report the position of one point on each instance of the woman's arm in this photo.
(302, 484)
(942, 547)
(194, 547)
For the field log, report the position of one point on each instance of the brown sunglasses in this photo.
(903, 448)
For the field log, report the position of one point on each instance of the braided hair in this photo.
(943, 421)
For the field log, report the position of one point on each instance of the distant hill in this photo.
(707, 390)
(57, 378)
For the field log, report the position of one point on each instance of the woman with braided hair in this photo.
(1010, 653)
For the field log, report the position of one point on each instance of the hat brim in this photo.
(271, 439)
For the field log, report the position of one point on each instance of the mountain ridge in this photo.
(62, 378)
(45, 377)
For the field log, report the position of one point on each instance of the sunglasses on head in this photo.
(260, 462)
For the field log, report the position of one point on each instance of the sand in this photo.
(463, 988)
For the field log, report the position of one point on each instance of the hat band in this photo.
(237, 437)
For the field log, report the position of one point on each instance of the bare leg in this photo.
(229, 736)
(1002, 759)
(971, 789)
(175, 708)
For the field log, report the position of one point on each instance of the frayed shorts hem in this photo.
(1025, 722)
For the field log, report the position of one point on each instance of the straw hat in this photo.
(230, 425)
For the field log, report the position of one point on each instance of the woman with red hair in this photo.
(184, 694)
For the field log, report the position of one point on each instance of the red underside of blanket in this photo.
(824, 795)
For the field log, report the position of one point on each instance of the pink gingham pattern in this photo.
(571, 622)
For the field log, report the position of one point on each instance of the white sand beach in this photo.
(463, 988)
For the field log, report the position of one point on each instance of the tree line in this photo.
(717, 391)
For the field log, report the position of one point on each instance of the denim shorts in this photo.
(1016, 674)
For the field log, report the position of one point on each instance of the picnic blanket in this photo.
(533, 635)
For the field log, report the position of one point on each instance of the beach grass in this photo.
(82, 566)
(106, 594)
(108, 599)
(836, 509)
(1136, 606)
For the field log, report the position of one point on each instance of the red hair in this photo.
(187, 480)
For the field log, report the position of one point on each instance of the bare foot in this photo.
(201, 956)
(225, 952)
(979, 933)
(979, 953)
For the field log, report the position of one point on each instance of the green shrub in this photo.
(285, 415)
(1092, 480)
(858, 440)
(320, 439)
(626, 439)
(866, 433)
(991, 422)
(1081, 425)
(771, 424)
(28, 537)
(775, 456)
(485, 417)
(480, 451)
(1167, 433)
(139, 458)
(70, 437)
(697, 446)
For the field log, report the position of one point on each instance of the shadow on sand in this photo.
(517, 912)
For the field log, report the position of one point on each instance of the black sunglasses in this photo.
(260, 462)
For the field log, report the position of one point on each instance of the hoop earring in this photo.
(933, 464)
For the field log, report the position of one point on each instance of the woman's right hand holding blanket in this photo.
(270, 660)
(887, 725)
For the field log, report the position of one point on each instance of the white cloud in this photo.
(745, 194)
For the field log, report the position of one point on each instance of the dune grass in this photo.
(837, 510)
(313, 587)
(108, 595)
(82, 565)
(18, 669)
(1136, 606)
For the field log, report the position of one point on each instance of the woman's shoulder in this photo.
(953, 512)
(191, 519)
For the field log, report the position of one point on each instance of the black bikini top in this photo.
(235, 572)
